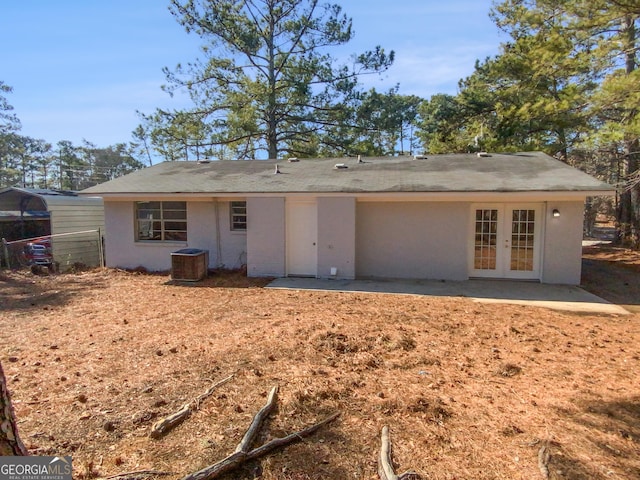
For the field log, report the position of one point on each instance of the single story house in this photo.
(35, 212)
(448, 217)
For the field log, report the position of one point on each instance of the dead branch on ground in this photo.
(168, 423)
(137, 474)
(385, 465)
(544, 455)
(257, 422)
(242, 453)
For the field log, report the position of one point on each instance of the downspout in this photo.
(218, 236)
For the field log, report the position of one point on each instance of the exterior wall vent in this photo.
(483, 154)
(340, 166)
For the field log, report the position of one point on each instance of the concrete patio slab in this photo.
(557, 297)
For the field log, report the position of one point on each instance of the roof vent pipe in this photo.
(483, 154)
(419, 157)
(277, 170)
(360, 159)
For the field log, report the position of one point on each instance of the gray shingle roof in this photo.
(518, 172)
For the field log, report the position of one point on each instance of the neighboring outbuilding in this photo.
(34, 213)
(448, 217)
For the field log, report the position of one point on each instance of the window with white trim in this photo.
(238, 216)
(161, 221)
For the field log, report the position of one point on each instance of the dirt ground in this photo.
(469, 390)
(614, 274)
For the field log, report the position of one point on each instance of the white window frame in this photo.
(238, 211)
(161, 234)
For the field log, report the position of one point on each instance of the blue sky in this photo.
(81, 68)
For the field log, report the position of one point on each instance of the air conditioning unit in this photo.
(189, 264)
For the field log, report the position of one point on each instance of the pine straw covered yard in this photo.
(469, 390)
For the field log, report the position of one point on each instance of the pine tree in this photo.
(267, 81)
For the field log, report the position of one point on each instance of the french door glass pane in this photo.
(522, 240)
(486, 239)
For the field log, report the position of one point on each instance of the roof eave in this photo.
(425, 194)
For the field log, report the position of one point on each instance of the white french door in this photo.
(302, 235)
(506, 241)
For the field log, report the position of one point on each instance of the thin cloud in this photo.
(83, 72)
(427, 71)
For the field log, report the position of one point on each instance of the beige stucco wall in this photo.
(337, 237)
(121, 249)
(229, 249)
(562, 256)
(412, 240)
(266, 237)
(383, 239)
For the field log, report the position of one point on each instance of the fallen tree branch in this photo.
(385, 468)
(257, 422)
(137, 473)
(242, 453)
(291, 438)
(196, 403)
(385, 465)
(544, 455)
(168, 423)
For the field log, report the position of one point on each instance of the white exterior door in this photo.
(506, 241)
(302, 236)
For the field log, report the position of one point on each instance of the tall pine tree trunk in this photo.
(629, 202)
(10, 443)
(629, 206)
(272, 122)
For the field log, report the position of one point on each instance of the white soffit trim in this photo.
(483, 197)
(371, 197)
